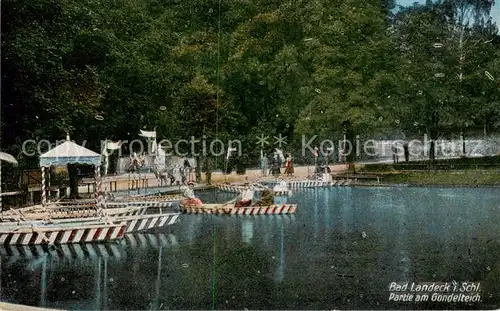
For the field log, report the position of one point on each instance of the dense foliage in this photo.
(236, 69)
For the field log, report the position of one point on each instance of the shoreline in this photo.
(395, 185)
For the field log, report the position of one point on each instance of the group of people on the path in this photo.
(170, 174)
(136, 162)
(396, 152)
(275, 165)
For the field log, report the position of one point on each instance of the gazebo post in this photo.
(96, 185)
(99, 198)
(49, 173)
(44, 194)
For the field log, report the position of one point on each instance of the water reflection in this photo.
(247, 231)
(341, 250)
(64, 273)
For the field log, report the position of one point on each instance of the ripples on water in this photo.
(341, 250)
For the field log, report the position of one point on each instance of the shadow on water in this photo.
(341, 250)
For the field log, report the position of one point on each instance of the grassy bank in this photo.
(449, 178)
(481, 163)
(482, 171)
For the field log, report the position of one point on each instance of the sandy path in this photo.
(122, 182)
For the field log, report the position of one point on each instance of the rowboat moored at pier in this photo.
(278, 191)
(135, 223)
(68, 212)
(297, 184)
(152, 197)
(25, 233)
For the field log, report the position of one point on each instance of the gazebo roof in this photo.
(8, 158)
(69, 153)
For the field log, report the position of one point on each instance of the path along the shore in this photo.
(123, 182)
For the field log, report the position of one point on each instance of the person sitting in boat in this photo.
(190, 199)
(266, 199)
(246, 198)
(283, 184)
(280, 186)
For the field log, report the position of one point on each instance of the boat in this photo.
(69, 212)
(153, 201)
(152, 197)
(278, 189)
(282, 189)
(324, 181)
(133, 223)
(231, 209)
(26, 233)
(151, 204)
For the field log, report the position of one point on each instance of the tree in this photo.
(439, 63)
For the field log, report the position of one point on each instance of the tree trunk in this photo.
(463, 144)
(198, 169)
(432, 151)
(351, 156)
(208, 170)
(74, 180)
(406, 152)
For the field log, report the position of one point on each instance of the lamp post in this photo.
(99, 176)
(344, 144)
(330, 151)
(99, 118)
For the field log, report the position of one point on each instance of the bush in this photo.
(241, 165)
(229, 169)
(241, 171)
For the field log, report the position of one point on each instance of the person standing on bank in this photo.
(289, 165)
(263, 164)
(394, 154)
(406, 151)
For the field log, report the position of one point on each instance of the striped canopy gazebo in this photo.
(72, 153)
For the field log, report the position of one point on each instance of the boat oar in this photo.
(230, 202)
(33, 228)
(40, 233)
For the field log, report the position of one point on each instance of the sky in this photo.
(495, 11)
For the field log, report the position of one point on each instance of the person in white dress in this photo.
(245, 198)
(191, 199)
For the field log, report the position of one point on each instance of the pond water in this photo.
(341, 250)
